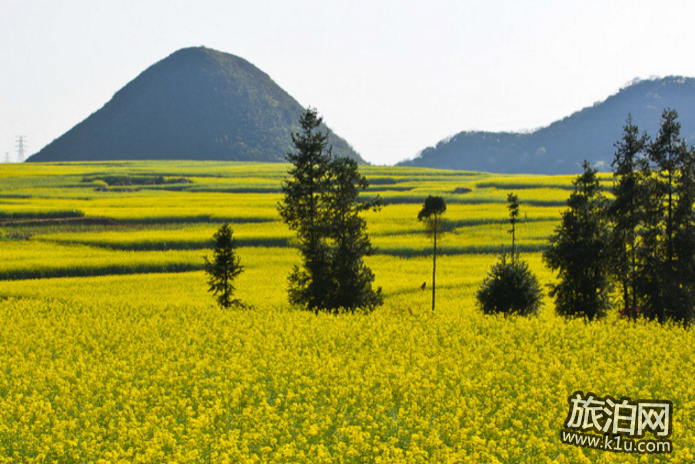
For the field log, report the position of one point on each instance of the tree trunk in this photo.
(434, 261)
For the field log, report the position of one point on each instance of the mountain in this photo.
(197, 104)
(561, 147)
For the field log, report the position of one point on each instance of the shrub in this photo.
(510, 288)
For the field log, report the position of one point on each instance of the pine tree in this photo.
(665, 153)
(224, 267)
(579, 251)
(670, 229)
(321, 204)
(431, 214)
(650, 256)
(352, 279)
(683, 286)
(626, 211)
(304, 211)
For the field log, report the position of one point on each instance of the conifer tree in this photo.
(321, 204)
(352, 279)
(665, 152)
(650, 256)
(669, 226)
(224, 267)
(626, 211)
(579, 251)
(304, 211)
(683, 308)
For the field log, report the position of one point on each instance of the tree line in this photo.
(642, 242)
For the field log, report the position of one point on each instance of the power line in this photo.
(21, 147)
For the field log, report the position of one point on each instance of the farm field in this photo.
(112, 350)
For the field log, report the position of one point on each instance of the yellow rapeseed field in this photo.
(113, 351)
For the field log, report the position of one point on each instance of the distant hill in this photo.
(562, 146)
(196, 104)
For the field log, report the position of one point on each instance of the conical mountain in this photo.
(197, 104)
(561, 147)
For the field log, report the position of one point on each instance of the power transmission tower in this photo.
(7, 157)
(21, 147)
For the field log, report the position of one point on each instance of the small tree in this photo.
(224, 267)
(513, 207)
(431, 215)
(510, 287)
(579, 251)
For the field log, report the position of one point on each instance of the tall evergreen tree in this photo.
(650, 256)
(683, 309)
(682, 306)
(304, 210)
(671, 230)
(625, 212)
(431, 214)
(665, 152)
(321, 204)
(579, 251)
(352, 279)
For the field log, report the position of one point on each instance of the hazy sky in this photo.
(391, 77)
